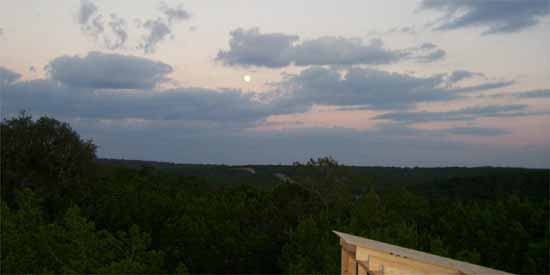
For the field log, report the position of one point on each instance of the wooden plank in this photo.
(417, 258)
(377, 258)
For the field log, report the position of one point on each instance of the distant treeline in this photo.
(65, 211)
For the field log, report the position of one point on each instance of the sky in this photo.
(375, 83)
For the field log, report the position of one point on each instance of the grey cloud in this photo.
(432, 56)
(482, 87)
(544, 93)
(108, 71)
(174, 14)
(459, 75)
(7, 76)
(112, 32)
(477, 131)
(94, 25)
(250, 47)
(87, 10)
(158, 30)
(119, 87)
(357, 147)
(494, 16)
(190, 104)
(342, 51)
(274, 50)
(469, 113)
(411, 30)
(204, 125)
(118, 27)
(361, 88)
(428, 46)
(399, 129)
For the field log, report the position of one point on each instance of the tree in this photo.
(312, 248)
(46, 156)
(31, 244)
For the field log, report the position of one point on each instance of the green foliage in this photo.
(47, 156)
(59, 214)
(32, 245)
(311, 249)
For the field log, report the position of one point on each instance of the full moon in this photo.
(247, 78)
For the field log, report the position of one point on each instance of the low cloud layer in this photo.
(108, 71)
(349, 146)
(459, 75)
(369, 89)
(109, 98)
(113, 86)
(190, 104)
(543, 93)
(274, 50)
(494, 17)
(469, 113)
(7, 76)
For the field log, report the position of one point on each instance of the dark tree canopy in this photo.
(47, 156)
(64, 211)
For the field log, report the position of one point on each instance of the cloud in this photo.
(174, 14)
(87, 10)
(252, 48)
(406, 30)
(111, 31)
(114, 86)
(189, 124)
(175, 143)
(7, 76)
(494, 16)
(118, 27)
(223, 108)
(363, 88)
(342, 51)
(459, 75)
(482, 87)
(274, 50)
(468, 113)
(477, 131)
(428, 46)
(543, 93)
(432, 56)
(160, 28)
(90, 22)
(401, 130)
(94, 25)
(108, 71)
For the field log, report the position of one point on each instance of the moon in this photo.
(247, 78)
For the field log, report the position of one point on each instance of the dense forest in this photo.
(63, 210)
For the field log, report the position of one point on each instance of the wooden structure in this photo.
(361, 256)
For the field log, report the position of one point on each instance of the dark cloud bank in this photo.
(119, 101)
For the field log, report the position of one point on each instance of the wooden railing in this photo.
(364, 256)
